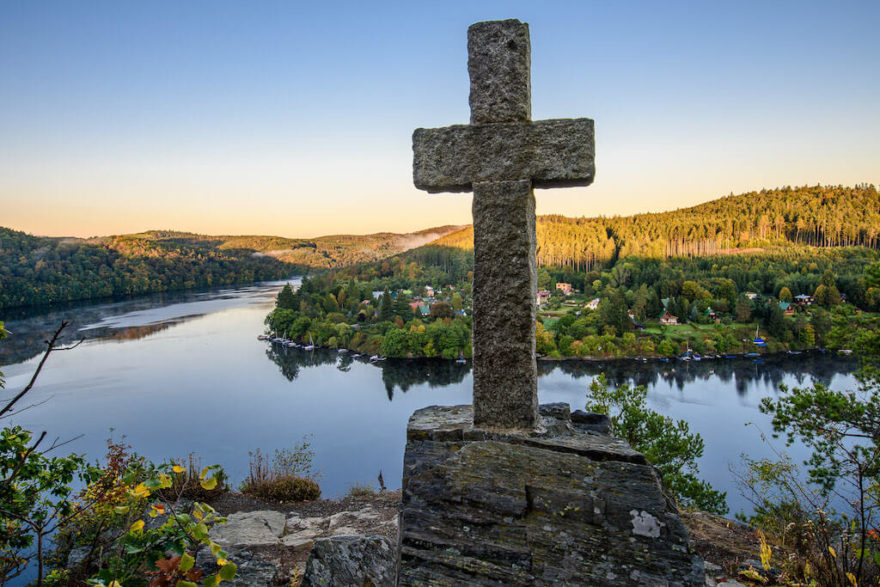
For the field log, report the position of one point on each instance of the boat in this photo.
(262, 337)
(795, 352)
(376, 358)
(340, 351)
(758, 340)
(311, 345)
(752, 355)
(844, 352)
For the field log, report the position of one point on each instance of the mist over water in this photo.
(184, 372)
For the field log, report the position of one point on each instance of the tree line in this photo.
(818, 216)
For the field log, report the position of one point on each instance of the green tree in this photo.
(456, 302)
(613, 311)
(395, 343)
(743, 309)
(668, 445)
(842, 428)
(386, 310)
(286, 299)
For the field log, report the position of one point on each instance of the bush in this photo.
(283, 488)
(287, 477)
(360, 490)
(188, 484)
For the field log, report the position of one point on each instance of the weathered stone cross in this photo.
(501, 156)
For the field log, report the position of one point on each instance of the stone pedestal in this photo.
(562, 505)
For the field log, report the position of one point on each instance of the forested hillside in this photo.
(38, 270)
(818, 216)
(42, 270)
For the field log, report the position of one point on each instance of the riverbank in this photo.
(687, 358)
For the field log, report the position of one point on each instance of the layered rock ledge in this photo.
(565, 503)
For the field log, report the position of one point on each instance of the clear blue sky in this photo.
(295, 119)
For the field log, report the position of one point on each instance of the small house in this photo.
(593, 304)
(787, 308)
(803, 300)
(751, 295)
(565, 288)
(543, 296)
(668, 319)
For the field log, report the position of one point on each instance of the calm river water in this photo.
(180, 373)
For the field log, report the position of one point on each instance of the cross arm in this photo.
(552, 153)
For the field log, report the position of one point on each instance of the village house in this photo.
(751, 295)
(543, 296)
(787, 308)
(803, 300)
(565, 288)
(668, 319)
(593, 304)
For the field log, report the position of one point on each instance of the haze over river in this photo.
(184, 372)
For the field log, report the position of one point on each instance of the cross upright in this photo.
(500, 156)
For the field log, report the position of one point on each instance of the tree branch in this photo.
(49, 349)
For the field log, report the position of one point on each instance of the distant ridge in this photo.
(44, 270)
(821, 216)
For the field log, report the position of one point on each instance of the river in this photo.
(184, 372)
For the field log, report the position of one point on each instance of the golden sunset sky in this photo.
(295, 119)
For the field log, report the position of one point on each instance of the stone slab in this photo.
(534, 508)
(260, 528)
(342, 561)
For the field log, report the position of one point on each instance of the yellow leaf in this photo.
(197, 514)
(209, 484)
(165, 480)
(114, 584)
(831, 550)
(139, 491)
(204, 473)
(178, 469)
(137, 526)
(221, 562)
(121, 509)
(158, 509)
(852, 579)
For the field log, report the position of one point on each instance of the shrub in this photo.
(283, 488)
(187, 483)
(360, 490)
(287, 477)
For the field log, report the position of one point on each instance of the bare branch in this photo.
(50, 347)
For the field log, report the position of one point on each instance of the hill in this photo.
(42, 270)
(819, 216)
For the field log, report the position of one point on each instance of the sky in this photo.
(295, 118)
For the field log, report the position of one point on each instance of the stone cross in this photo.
(500, 156)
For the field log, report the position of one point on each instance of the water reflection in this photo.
(121, 319)
(397, 374)
(742, 373)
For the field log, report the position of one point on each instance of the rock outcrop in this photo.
(342, 561)
(563, 504)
